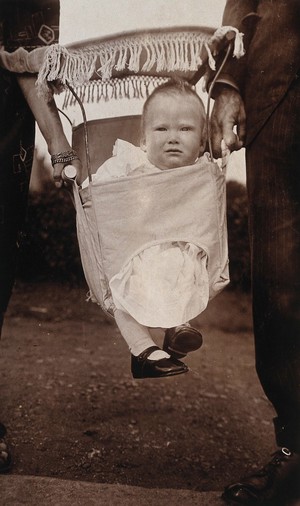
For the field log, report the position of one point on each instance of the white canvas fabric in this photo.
(123, 217)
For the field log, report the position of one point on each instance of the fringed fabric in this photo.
(129, 87)
(154, 53)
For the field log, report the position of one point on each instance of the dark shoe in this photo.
(181, 340)
(5, 457)
(143, 367)
(275, 483)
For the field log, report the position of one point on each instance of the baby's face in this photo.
(173, 131)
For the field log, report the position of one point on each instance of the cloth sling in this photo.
(185, 204)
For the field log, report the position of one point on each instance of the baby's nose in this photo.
(173, 137)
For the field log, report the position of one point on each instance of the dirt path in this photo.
(74, 411)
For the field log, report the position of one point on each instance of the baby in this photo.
(166, 284)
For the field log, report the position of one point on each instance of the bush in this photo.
(50, 248)
(238, 240)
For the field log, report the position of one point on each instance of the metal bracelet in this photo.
(64, 157)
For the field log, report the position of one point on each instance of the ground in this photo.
(73, 410)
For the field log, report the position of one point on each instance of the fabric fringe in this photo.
(138, 87)
(228, 32)
(140, 53)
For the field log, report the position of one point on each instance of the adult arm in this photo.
(48, 120)
(228, 120)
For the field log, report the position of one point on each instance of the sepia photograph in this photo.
(149, 253)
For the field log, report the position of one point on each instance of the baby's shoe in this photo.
(181, 340)
(144, 367)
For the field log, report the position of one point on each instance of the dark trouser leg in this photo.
(13, 204)
(273, 161)
(16, 153)
(13, 199)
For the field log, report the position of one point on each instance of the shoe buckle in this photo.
(286, 451)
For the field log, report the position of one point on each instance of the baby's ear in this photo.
(143, 144)
(203, 147)
(204, 141)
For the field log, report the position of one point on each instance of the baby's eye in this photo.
(186, 129)
(161, 129)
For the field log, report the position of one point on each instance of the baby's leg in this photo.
(147, 360)
(137, 336)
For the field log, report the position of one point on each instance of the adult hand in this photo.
(228, 112)
(58, 172)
